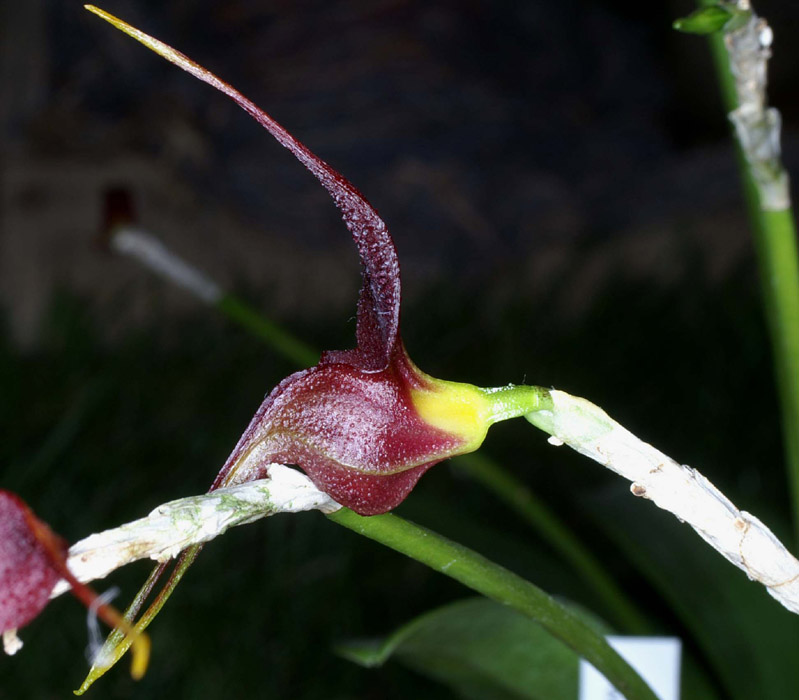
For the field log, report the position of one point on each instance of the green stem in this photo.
(283, 342)
(779, 265)
(535, 512)
(515, 400)
(775, 243)
(493, 581)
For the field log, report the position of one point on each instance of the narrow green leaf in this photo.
(279, 339)
(482, 650)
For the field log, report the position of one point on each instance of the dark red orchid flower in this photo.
(363, 424)
(32, 560)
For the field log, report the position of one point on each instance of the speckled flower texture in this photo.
(364, 424)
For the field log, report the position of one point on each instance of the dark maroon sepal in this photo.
(31, 559)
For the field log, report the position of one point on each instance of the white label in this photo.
(657, 660)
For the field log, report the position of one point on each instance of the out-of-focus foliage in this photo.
(482, 649)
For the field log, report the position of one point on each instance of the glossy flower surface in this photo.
(364, 436)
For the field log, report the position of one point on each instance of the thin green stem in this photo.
(775, 242)
(512, 492)
(497, 583)
(779, 264)
(516, 400)
(280, 340)
(721, 63)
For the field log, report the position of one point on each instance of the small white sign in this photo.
(657, 660)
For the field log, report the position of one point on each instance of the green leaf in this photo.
(709, 20)
(460, 644)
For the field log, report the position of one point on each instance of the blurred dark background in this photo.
(562, 190)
